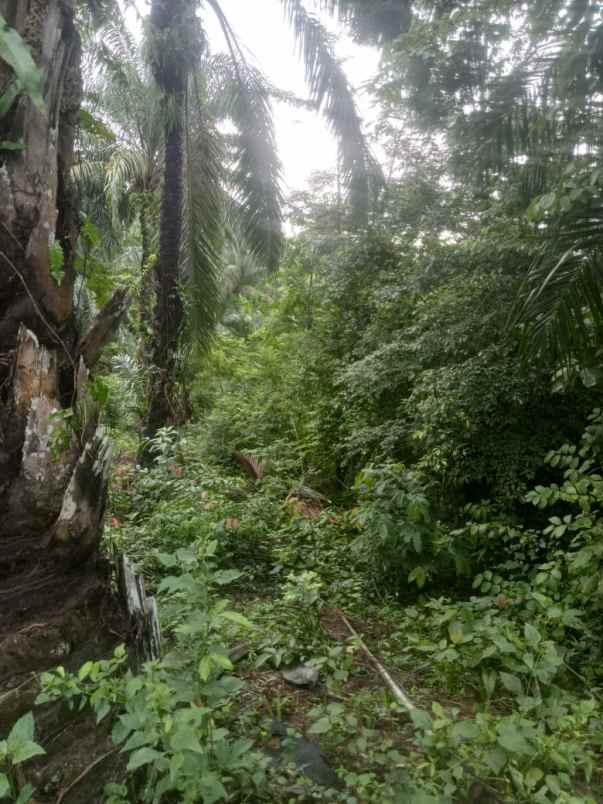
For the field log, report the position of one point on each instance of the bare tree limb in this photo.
(104, 327)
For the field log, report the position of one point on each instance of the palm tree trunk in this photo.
(147, 283)
(168, 22)
(168, 308)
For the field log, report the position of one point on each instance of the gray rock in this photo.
(310, 761)
(301, 676)
(239, 652)
(307, 756)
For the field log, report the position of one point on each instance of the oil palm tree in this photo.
(120, 159)
(190, 219)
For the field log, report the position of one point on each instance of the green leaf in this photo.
(211, 788)
(143, 756)
(421, 719)
(25, 794)
(512, 740)
(590, 377)
(186, 739)
(321, 726)
(532, 634)
(8, 96)
(102, 711)
(456, 633)
(465, 730)
(136, 740)
(224, 577)
(23, 730)
(4, 785)
(512, 683)
(552, 782)
(220, 660)
(96, 127)
(85, 670)
(26, 750)
(90, 233)
(419, 576)
(496, 760)
(57, 262)
(533, 776)
(237, 618)
(205, 667)
(16, 52)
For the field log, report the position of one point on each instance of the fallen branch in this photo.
(83, 774)
(398, 693)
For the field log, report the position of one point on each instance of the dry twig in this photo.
(83, 775)
(397, 691)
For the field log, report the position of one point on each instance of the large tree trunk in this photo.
(37, 200)
(54, 461)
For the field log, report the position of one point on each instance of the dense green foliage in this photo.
(398, 425)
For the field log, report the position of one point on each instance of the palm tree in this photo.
(190, 208)
(119, 172)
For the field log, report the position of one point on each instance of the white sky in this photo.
(304, 141)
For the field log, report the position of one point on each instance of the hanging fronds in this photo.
(203, 225)
(332, 94)
(560, 306)
(373, 21)
(242, 95)
(255, 177)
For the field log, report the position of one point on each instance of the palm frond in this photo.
(373, 21)
(332, 94)
(244, 99)
(561, 305)
(203, 226)
(125, 173)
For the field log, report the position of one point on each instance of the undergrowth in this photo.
(491, 629)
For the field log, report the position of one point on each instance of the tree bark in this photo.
(37, 197)
(168, 309)
(147, 283)
(104, 327)
(53, 461)
(170, 70)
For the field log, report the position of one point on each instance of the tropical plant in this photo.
(513, 89)
(255, 168)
